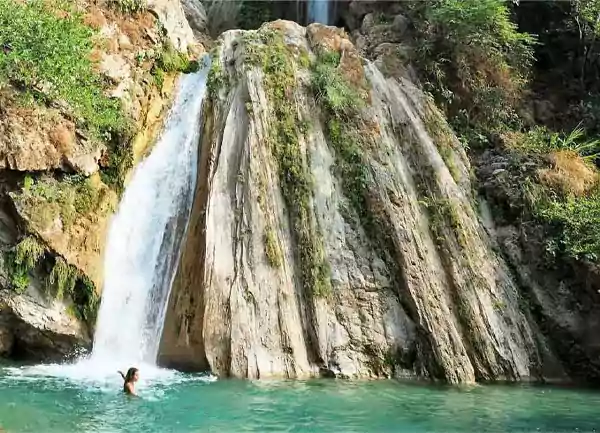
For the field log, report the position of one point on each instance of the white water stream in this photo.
(142, 252)
(318, 11)
(145, 235)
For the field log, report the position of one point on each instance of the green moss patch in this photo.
(63, 279)
(267, 50)
(46, 199)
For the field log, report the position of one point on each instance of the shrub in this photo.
(574, 224)
(171, 60)
(22, 259)
(541, 140)
(28, 252)
(62, 278)
(130, 6)
(331, 88)
(474, 58)
(49, 55)
(86, 299)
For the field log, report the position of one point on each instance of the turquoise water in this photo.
(187, 403)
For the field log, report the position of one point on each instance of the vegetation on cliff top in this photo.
(478, 64)
(474, 60)
(49, 56)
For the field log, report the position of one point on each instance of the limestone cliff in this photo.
(66, 149)
(334, 229)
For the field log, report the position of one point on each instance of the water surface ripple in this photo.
(194, 404)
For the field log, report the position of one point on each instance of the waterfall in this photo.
(144, 237)
(318, 11)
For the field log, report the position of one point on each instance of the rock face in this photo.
(33, 329)
(37, 139)
(563, 295)
(32, 326)
(172, 16)
(196, 16)
(307, 254)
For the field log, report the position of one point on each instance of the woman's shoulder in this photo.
(128, 388)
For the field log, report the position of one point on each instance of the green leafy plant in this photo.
(130, 6)
(574, 223)
(475, 60)
(48, 55)
(171, 60)
(542, 140)
(22, 259)
(62, 278)
(28, 252)
(330, 87)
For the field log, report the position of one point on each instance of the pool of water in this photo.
(52, 399)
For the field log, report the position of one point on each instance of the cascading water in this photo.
(145, 236)
(318, 11)
(142, 252)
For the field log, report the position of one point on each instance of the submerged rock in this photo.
(334, 235)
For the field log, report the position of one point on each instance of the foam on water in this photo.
(100, 376)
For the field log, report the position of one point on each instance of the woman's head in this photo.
(132, 375)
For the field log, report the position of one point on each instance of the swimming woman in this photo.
(130, 379)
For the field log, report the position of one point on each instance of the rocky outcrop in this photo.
(34, 326)
(40, 139)
(328, 238)
(563, 294)
(171, 15)
(36, 329)
(196, 17)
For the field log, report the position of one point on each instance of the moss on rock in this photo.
(267, 50)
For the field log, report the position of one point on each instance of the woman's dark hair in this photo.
(130, 373)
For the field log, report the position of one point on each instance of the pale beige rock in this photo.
(172, 16)
(115, 67)
(35, 138)
(423, 296)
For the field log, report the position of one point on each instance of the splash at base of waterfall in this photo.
(103, 376)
